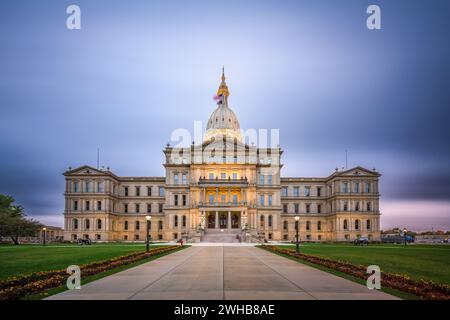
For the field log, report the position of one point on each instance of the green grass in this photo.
(25, 259)
(428, 262)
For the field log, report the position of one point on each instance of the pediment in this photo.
(84, 170)
(358, 172)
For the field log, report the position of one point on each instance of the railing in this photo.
(223, 182)
(223, 204)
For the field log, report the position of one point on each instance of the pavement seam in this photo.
(164, 274)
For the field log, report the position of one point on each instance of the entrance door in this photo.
(223, 220)
(211, 222)
(234, 221)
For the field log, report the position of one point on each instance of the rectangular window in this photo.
(160, 207)
(345, 206)
(138, 208)
(125, 208)
(344, 187)
(125, 191)
(234, 175)
(184, 199)
(367, 187)
(184, 178)
(369, 206)
(75, 205)
(269, 179)
(285, 208)
(284, 192)
(149, 208)
(175, 178)
(76, 186)
(138, 191)
(308, 208)
(296, 208)
(161, 191)
(357, 206)
(319, 191)
(100, 186)
(357, 187)
(211, 176)
(87, 206)
(307, 191)
(319, 208)
(261, 179)
(149, 191)
(261, 200)
(222, 198)
(296, 191)
(223, 176)
(99, 205)
(234, 198)
(175, 199)
(269, 199)
(136, 237)
(211, 198)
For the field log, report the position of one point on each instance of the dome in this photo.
(223, 121)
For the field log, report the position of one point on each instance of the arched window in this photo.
(183, 221)
(125, 225)
(99, 224)
(356, 224)
(308, 225)
(262, 221)
(175, 221)
(368, 224)
(137, 225)
(75, 224)
(87, 224)
(285, 225)
(270, 220)
(345, 224)
(319, 225)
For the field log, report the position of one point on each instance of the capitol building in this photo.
(221, 188)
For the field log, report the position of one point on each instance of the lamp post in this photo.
(404, 234)
(148, 218)
(45, 234)
(297, 227)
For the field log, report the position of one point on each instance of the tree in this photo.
(13, 222)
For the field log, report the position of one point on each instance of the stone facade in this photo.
(221, 183)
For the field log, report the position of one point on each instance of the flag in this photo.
(218, 98)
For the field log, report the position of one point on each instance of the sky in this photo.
(138, 70)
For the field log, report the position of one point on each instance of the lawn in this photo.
(24, 259)
(428, 262)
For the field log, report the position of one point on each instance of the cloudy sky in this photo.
(137, 70)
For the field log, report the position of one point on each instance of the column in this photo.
(229, 194)
(217, 220)
(229, 220)
(217, 194)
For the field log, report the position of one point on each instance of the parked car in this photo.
(361, 241)
(84, 241)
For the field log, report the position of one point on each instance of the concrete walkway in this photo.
(222, 272)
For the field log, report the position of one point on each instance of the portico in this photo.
(221, 219)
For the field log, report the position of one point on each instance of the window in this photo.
(184, 178)
(76, 186)
(125, 208)
(101, 186)
(175, 179)
(87, 206)
(87, 224)
(99, 205)
(296, 206)
(234, 198)
(261, 200)
(223, 198)
(369, 206)
(285, 208)
(175, 236)
(138, 191)
(319, 225)
(347, 237)
(261, 221)
(137, 225)
(125, 237)
(161, 191)
(160, 207)
(270, 220)
(261, 179)
(175, 221)
(270, 199)
(75, 224)
(270, 236)
(308, 237)
(319, 237)
(125, 225)
(368, 224)
(367, 187)
(149, 191)
(211, 176)
(183, 221)
(89, 186)
(344, 187)
(285, 237)
(234, 175)
(345, 224)
(308, 208)
(307, 191)
(269, 179)
(319, 208)
(345, 206)
(136, 237)
(149, 208)
(184, 199)
(74, 237)
(356, 224)
(319, 191)
(285, 225)
(125, 189)
(138, 208)
(308, 225)
(357, 206)
(160, 225)
(99, 224)
(75, 205)
(223, 176)
(296, 191)
(211, 198)
(357, 187)
(160, 237)
(284, 192)
(175, 199)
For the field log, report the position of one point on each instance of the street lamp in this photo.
(297, 227)
(45, 233)
(148, 218)
(404, 234)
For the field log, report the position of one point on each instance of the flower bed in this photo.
(17, 287)
(428, 290)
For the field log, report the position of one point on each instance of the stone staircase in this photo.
(221, 235)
